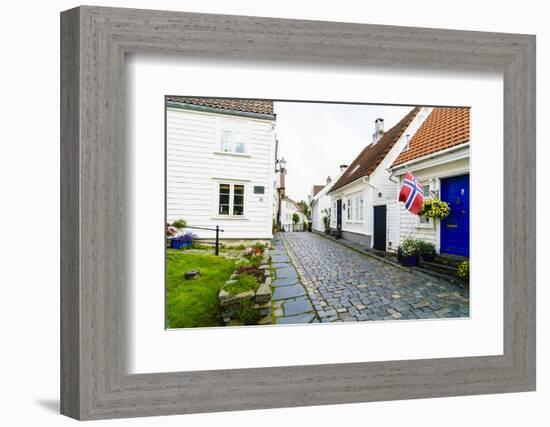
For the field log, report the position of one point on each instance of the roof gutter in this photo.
(428, 156)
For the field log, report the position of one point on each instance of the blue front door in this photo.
(455, 229)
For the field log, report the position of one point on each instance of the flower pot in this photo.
(410, 260)
(180, 244)
(428, 256)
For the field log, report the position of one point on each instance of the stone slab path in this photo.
(344, 285)
(291, 303)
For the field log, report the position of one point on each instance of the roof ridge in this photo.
(364, 164)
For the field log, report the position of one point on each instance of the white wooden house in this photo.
(321, 204)
(288, 208)
(438, 155)
(220, 165)
(363, 195)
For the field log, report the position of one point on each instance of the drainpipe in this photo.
(365, 180)
(390, 171)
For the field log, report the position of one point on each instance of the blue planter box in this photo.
(411, 260)
(180, 244)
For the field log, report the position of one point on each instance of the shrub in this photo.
(295, 218)
(256, 260)
(179, 223)
(258, 249)
(251, 270)
(326, 222)
(425, 247)
(434, 208)
(244, 283)
(409, 247)
(464, 269)
(242, 262)
(248, 315)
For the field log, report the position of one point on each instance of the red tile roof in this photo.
(317, 188)
(371, 156)
(443, 128)
(233, 104)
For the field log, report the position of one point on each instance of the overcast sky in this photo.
(315, 139)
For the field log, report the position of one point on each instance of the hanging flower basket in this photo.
(434, 208)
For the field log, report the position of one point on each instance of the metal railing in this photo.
(218, 230)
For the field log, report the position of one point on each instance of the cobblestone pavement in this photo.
(290, 300)
(345, 285)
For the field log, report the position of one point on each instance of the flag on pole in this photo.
(412, 193)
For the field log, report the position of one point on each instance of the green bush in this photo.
(464, 269)
(409, 247)
(256, 260)
(245, 282)
(248, 315)
(425, 247)
(179, 223)
(242, 262)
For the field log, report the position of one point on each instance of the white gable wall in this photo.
(377, 189)
(288, 209)
(195, 166)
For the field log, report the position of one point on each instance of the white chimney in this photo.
(378, 130)
(343, 168)
(329, 180)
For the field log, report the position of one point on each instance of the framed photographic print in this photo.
(261, 213)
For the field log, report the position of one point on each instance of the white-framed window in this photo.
(361, 208)
(233, 136)
(231, 199)
(424, 222)
(349, 210)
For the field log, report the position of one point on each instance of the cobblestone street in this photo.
(340, 284)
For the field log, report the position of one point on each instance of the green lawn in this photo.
(194, 303)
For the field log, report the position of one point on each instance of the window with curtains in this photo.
(231, 199)
(349, 210)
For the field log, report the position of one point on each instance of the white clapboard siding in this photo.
(195, 167)
(409, 224)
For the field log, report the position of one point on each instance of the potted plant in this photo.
(326, 221)
(408, 252)
(464, 270)
(434, 208)
(427, 250)
(179, 224)
(183, 241)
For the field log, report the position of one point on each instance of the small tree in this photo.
(306, 209)
(295, 219)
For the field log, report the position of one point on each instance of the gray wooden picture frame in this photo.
(94, 41)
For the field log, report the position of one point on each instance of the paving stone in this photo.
(285, 281)
(297, 306)
(286, 272)
(300, 318)
(280, 258)
(287, 292)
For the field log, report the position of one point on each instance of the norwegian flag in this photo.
(412, 193)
